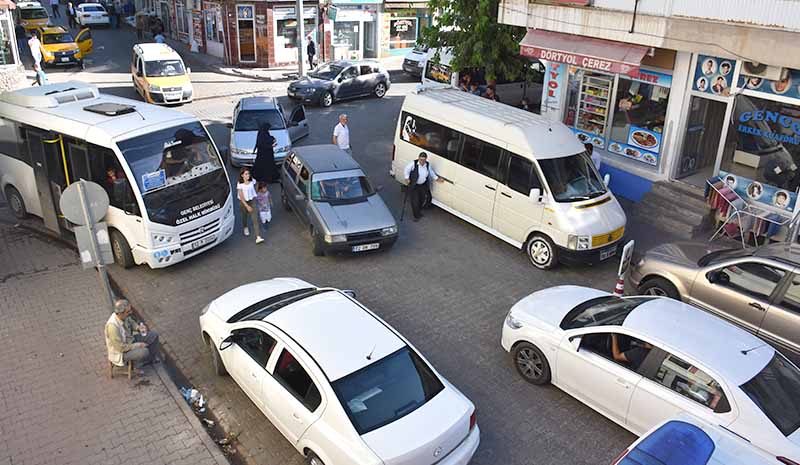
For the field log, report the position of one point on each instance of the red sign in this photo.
(581, 61)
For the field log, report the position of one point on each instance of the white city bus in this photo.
(169, 193)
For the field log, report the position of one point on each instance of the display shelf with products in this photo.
(595, 92)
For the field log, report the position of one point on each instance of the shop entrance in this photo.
(701, 141)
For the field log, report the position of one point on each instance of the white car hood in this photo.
(236, 300)
(425, 435)
(246, 140)
(551, 305)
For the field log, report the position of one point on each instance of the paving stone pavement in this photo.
(57, 404)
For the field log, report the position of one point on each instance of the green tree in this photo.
(470, 29)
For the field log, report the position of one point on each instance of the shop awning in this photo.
(583, 52)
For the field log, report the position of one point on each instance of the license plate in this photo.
(608, 253)
(64, 58)
(362, 248)
(175, 96)
(201, 242)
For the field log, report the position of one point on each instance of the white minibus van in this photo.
(170, 197)
(512, 173)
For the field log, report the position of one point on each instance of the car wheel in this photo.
(216, 360)
(16, 202)
(312, 459)
(285, 201)
(380, 90)
(542, 252)
(317, 249)
(659, 287)
(531, 363)
(326, 100)
(121, 249)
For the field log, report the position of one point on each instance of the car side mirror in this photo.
(139, 73)
(349, 293)
(718, 277)
(227, 342)
(607, 179)
(576, 342)
(536, 195)
(229, 125)
(340, 80)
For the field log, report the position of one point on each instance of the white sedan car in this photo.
(340, 384)
(91, 14)
(642, 360)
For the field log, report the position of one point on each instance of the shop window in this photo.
(180, 16)
(345, 34)
(286, 31)
(402, 32)
(639, 113)
(6, 40)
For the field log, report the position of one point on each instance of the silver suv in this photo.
(286, 127)
(332, 196)
(757, 289)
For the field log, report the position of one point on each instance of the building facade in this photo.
(678, 91)
(12, 72)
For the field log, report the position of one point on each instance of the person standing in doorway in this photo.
(418, 175)
(54, 7)
(71, 15)
(311, 50)
(341, 134)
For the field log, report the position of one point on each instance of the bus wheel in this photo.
(16, 202)
(121, 249)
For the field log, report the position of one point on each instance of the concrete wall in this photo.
(12, 77)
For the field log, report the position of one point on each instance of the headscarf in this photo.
(264, 139)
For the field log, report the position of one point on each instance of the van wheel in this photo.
(16, 202)
(326, 100)
(542, 252)
(312, 459)
(121, 249)
(380, 90)
(317, 249)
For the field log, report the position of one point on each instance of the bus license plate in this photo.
(362, 248)
(201, 242)
(608, 253)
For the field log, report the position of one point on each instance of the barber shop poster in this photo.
(786, 87)
(713, 75)
(755, 191)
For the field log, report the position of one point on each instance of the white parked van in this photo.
(512, 173)
(170, 198)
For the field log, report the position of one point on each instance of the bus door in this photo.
(48, 170)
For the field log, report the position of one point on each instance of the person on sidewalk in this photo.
(111, 9)
(418, 174)
(311, 50)
(159, 38)
(341, 134)
(127, 340)
(54, 7)
(36, 53)
(70, 11)
(141, 21)
(247, 203)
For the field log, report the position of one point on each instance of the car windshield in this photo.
(387, 390)
(91, 8)
(722, 255)
(250, 120)
(341, 189)
(179, 173)
(776, 391)
(326, 71)
(63, 38)
(602, 311)
(161, 68)
(33, 13)
(420, 49)
(572, 178)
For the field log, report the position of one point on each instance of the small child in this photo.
(264, 201)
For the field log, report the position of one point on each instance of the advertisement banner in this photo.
(755, 191)
(552, 90)
(713, 75)
(581, 61)
(653, 77)
(789, 87)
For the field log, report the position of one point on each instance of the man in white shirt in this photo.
(341, 134)
(418, 174)
(35, 46)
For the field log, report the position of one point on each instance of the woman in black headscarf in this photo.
(264, 167)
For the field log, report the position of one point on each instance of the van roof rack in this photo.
(51, 95)
(110, 109)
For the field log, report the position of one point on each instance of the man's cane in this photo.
(405, 199)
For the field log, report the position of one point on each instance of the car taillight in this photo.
(473, 419)
(393, 149)
(620, 457)
(786, 461)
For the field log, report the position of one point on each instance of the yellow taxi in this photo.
(59, 47)
(159, 75)
(31, 15)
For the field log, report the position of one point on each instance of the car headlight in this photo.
(154, 88)
(306, 90)
(578, 242)
(331, 238)
(389, 231)
(239, 151)
(205, 309)
(161, 239)
(229, 211)
(512, 322)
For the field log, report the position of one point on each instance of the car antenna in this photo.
(747, 351)
(369, 355)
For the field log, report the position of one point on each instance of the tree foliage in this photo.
(470, 29)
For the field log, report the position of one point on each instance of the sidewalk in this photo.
(57, 404)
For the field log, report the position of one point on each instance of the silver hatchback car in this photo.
(287, 126)
(332, 196)
(757, 289)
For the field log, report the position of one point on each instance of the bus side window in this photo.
(107, 171)
(9, 142)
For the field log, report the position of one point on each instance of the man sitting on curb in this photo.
(128, 341)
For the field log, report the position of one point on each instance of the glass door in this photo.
(701, 141)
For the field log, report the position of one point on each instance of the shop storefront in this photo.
(213, 29)
(12, 74)
(355, 30)
(246, 33)
(402, 24)
(285, 27)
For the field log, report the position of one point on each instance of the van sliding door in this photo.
(42, 162)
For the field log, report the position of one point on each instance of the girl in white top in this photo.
(247, 203)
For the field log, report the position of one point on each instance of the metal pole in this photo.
(87, 216)
(298, 8)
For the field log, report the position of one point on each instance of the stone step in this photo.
(664, 218)
(691, 214)
(686, 197)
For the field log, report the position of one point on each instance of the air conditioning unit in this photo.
(773, 73)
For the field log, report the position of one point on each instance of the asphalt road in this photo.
(445, 285)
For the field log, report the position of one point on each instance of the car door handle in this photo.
(446, 180)
(296, 417)
(255, 376)
(506, 195)
(489, 187)
(757, 306)
(623, 382)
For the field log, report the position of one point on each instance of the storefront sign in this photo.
(244, 11)
(654, 77)
(289, 13)
(789, 87)
(581, 61)
(552, 89)
(760, 192)
(713, 75)
(763, 130)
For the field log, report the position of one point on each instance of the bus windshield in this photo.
(178, 172)
(572, 178)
